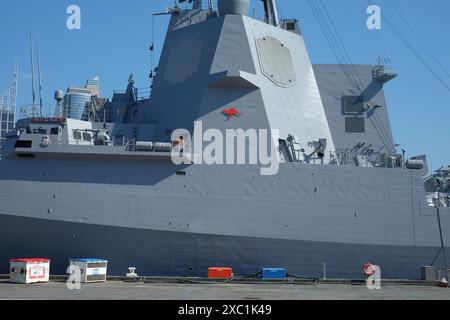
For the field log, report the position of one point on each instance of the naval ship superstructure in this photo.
(342, 196)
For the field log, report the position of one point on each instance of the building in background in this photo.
(95, 111)
(78, 99)
(94, 86)
(75, 101)
(8, 110)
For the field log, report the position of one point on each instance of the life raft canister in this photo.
(368, 269)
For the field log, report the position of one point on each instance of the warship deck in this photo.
(167, 290)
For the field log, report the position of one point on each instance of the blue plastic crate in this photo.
(273, 273)
(89, 260)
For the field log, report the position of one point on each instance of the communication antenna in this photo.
(14, 88)
(271, 12)
(32, 76)
(41, 108)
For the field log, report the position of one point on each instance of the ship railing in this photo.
(128, 145)
(143, 93)
(189, 19)
(131, 145)
(374, 160)
(118, 141)
(140, 94)
(192, 17)
(28, 111)
(438, 199)
(442, 273)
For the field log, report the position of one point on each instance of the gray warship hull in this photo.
(166, 224)
(167, 253)
(67, 191)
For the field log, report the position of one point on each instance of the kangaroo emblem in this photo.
(230, 113)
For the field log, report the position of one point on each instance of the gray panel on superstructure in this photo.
(334, 87)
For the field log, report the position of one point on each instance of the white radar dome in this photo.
(59, 95)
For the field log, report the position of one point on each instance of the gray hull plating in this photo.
(187, 254)
(163, 223)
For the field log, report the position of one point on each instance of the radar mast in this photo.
(271, 12)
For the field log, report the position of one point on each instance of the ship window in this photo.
(77, 135)
(54, 130)
(87, 136)
(40, 131)
(353, 104)
(25, 144)
(291, 25)
(355, 125)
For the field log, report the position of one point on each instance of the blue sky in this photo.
(115, 34)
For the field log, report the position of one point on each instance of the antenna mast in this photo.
(32, 76)
(271, 12)
(13, 90)
(41, 107)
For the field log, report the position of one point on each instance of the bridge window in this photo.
(24, 144)
(54, 131)
(87, 136)
(77, 135)
(40, 131)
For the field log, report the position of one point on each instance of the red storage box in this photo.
(27, 271)
(220, 273)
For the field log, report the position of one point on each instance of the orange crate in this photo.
(220, 273)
